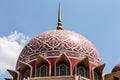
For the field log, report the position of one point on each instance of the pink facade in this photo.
(52, 44)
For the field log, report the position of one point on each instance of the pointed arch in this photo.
(97, 72)
(43, 67)
(82, 68)
(25, 70)
(14, 74)
(62, 66)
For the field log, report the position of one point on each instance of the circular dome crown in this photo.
(116, 68)
(53, 43)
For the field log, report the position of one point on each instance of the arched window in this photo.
(43, 70)
(81, 70)
(96, 76)
(26, 73)
(62, 69)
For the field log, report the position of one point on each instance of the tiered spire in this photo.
(59, 26)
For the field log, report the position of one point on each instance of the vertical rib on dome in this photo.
(59, 26)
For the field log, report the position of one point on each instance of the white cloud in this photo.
(10, 48)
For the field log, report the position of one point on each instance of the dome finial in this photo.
(59, 26)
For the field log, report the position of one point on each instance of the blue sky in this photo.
(97, 20)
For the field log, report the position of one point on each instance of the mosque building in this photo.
(61, 55)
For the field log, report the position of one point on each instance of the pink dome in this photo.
(52, 43)
(116, 68)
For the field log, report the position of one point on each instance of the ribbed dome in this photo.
(116, 68)
(53, 43)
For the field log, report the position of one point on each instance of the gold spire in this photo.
(59, 25)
